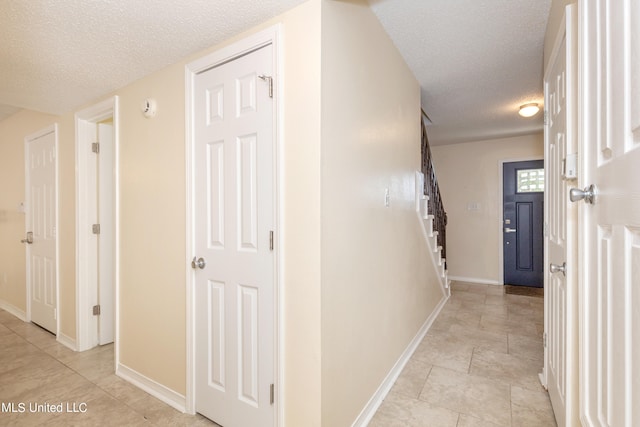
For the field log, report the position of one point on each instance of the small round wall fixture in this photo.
(149, 108)
(529, 110)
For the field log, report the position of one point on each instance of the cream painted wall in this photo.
(153, 219)
(152, 229)
(378, 283)
(301, 215)
(13, 131)
(469, 173)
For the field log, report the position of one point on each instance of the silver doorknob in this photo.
(29, 239)
(198, 263)
(509, 230)
(555, 268)
(588, 194)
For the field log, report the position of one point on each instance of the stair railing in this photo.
(432, 191)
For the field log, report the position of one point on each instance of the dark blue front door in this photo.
(522, 223)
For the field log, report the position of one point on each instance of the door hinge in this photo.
(96, 310)
(269, 80)
(271, 240)
(272, 394)
(95, 147)
(95, 228)
(544, 340)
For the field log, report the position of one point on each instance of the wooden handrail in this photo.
(432, 191)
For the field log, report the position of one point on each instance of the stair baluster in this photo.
(432, 191)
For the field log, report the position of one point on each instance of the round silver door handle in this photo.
(198, 263)
(555, 268)
(588, 194)
(29, 239)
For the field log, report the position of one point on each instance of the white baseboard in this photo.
(376, 400)
(472, 280)
(157, 390)
(10, 308)
(67, 341)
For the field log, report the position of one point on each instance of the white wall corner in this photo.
(157, 390)
(67, 341)
(10, 308)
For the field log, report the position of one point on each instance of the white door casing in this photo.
(560, 84)
(42, 222)
(97, 203)
(233, 225)
(610, 229)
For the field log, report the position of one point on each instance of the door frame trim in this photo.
(29, 138)
(268, 36)
(85, 120)
(500, 222)
(567, 32)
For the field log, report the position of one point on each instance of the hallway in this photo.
(477, 366)
(35, 369)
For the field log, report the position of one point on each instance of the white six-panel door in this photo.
(610, 228)
(41, 222)
(561, 360)
(234, 218)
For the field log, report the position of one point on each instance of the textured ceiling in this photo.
(476, 60)
(56, 55)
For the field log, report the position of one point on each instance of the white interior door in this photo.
(106, 238)
(610, 228)
(41, 223)
(561, 360)
(234, 218)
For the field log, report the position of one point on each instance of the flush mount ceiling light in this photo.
(528, 110)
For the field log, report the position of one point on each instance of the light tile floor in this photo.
(35, 369)
(477, 366)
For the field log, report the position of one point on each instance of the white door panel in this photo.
(610, 229)
(234, 215)
(560, 294)
(41, 222)
(106, 239)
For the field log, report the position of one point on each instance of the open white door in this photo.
(41, 223)
(561, 317)
(610, 224)
(234, 266)
(106, 239)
